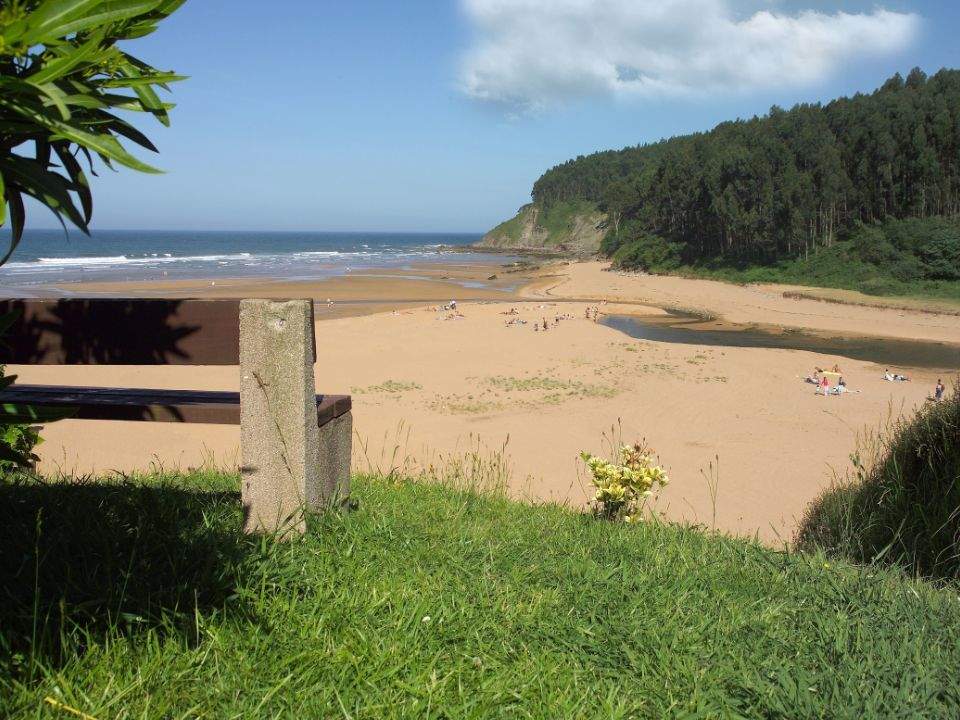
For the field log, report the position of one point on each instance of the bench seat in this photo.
(294, 456)
(192, 406)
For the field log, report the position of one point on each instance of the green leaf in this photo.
(102, 143)
(58, 18)
(148, 97)
(68, 62)
(132, 82)
(168, 7)
(48, 187)
(17, 413)
(56, 96)
(77, 177)
(8, 454)
(122, 127)
(17, 219)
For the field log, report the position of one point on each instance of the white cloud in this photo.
(531, 54)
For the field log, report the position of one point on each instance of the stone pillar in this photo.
(279, 438)
(336, 445)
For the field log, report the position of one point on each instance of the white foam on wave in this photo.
(112, 260)
(47, 264)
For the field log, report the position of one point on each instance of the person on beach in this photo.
(825, 386)
(938, 391)
(545, 325)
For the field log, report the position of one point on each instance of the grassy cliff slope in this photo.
(569, 227)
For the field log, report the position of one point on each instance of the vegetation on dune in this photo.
(142, 599)
(19, 422)
(919, 257)
(63, 76)
(17, 438)
(625, 484)
(901, 505)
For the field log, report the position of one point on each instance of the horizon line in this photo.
(70, 232)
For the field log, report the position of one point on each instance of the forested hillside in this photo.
(780, 188)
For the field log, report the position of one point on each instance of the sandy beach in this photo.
(431, 385)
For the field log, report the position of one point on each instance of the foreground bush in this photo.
(141, 599)
(901, 504)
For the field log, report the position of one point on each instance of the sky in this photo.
(438, 116)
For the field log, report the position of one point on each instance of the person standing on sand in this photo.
(825, 385)
(938, 391)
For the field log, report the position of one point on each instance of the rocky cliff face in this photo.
(575, 228)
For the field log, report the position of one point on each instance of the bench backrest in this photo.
(77, 331)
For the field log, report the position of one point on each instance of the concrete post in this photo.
(336, 445)
(279, 438)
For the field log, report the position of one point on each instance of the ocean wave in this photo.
(119, 260)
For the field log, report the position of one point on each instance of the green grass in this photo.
(558, 218)
(828, 269)
(910, 258)
(142, 600)
(901, 503)
(570, 388)
(513, 228)
(388, 386)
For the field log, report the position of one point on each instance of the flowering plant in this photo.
(623, 486)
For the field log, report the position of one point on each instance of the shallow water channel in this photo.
(691, 330)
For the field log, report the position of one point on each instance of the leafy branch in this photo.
(62, 80)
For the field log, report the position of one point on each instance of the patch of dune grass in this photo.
(142, 599)
(463, 405)
(388, 386)
(554, 386)
(900, 505)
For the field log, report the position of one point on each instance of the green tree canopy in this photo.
(779, 187)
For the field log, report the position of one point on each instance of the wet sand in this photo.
(754, 305)
(427, 383)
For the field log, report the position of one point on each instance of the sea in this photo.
(51, 257)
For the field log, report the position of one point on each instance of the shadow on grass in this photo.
(83, 561)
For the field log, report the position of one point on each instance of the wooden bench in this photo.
(295, 444)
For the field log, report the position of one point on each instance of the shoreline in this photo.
(428, 385)
(519, 281)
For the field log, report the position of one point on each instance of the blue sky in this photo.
(438, 116)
